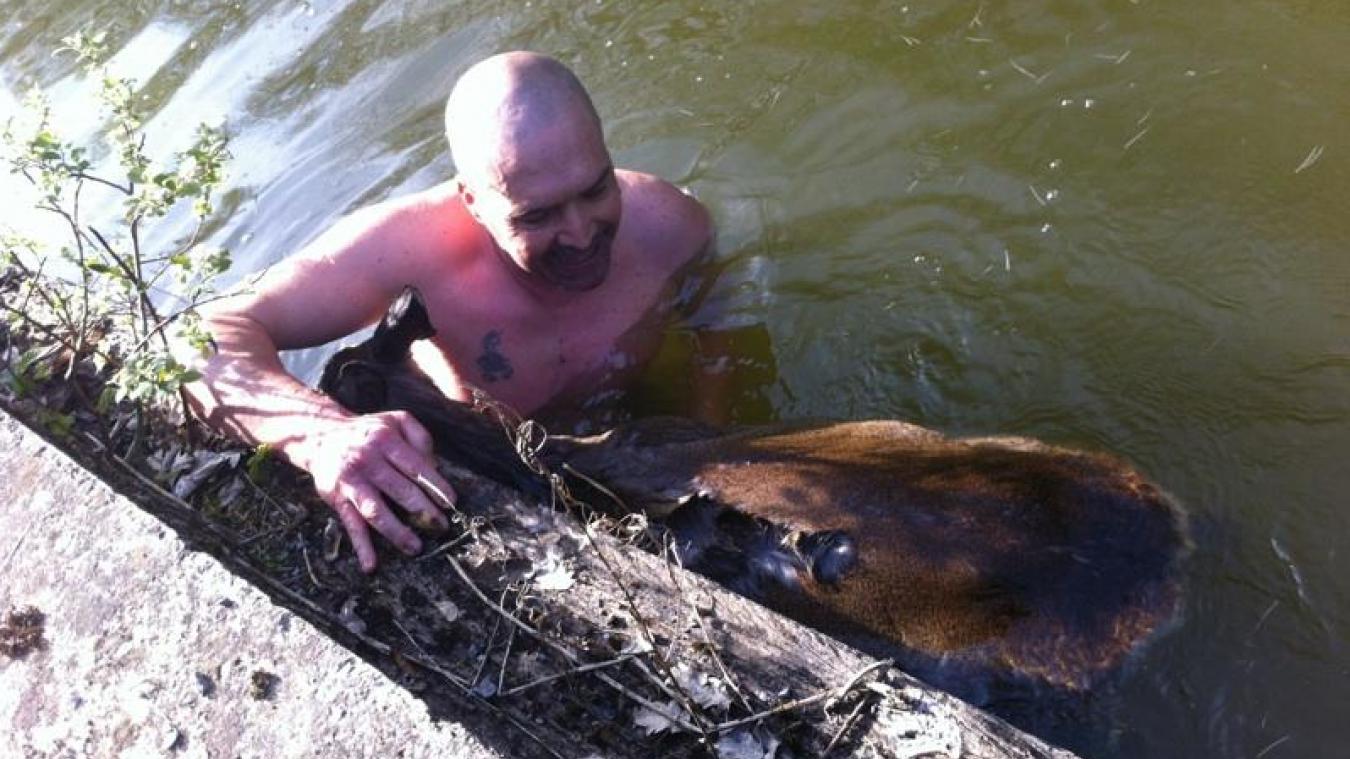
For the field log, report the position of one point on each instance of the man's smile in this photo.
(580, 269)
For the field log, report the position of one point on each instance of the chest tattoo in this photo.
(493, 365)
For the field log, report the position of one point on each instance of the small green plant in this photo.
(258, 464)
(99, 294)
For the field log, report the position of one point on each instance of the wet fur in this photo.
(985, 565)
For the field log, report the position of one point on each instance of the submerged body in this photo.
(978, 563)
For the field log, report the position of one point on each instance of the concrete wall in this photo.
(152, 649)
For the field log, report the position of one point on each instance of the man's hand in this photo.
(359, 461)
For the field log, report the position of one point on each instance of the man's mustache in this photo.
(560, 251)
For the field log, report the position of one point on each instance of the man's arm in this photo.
(336, 285)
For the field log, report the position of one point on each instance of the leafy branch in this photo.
(97, 293)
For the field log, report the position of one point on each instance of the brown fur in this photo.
(978, 560)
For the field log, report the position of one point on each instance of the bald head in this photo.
(507, 102)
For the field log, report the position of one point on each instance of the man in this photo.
(546, 272)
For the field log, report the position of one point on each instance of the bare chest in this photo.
(531, 360)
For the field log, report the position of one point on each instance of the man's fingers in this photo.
(373, 509)
(415, 433)
(407, 495)
(423, 472)
(441, 492)
(356, 530)
(389, 456)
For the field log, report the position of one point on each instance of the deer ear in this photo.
(359, 387)
(405, 322)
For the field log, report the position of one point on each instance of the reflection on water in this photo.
(1107, 224)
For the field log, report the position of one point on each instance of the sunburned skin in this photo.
(560, 372)
(547, 269)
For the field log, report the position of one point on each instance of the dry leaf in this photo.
(744, 744)
(448, 610)
(554, 575)
(709, 692)
(656, 722)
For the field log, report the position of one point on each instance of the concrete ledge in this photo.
(153, 649)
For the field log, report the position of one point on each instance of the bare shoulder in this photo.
(664, 220)
(388, 244)
(347, 275)
(412, 226)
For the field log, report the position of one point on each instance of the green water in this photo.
(1114, 224)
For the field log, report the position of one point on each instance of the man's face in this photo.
(553, 206)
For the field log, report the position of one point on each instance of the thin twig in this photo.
(269, 500)
(459, 682)
(84, 284)
(473, 587)
(491, 639)
(45, 329)
(672, 562)
(623, 507)
(1311, 159)
(1271, 747)
(386, 650)
(42, 293)
(185, 248)
(530, 438)
(148, 313)
(863, 701)
(159, 327)
(562, 650)
(506, 657)
(102, 181)
(126, 268)
(1264, 616)
(33, 279)
(304, 553)
(671, 688)
(677, 693)
(254, 538)
(27, 526)
(686, 701)
(1024, 71)
(432, 666)
(580, 669)
(409, 636)
(807, 701)
(146, 309)
(446, 546)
